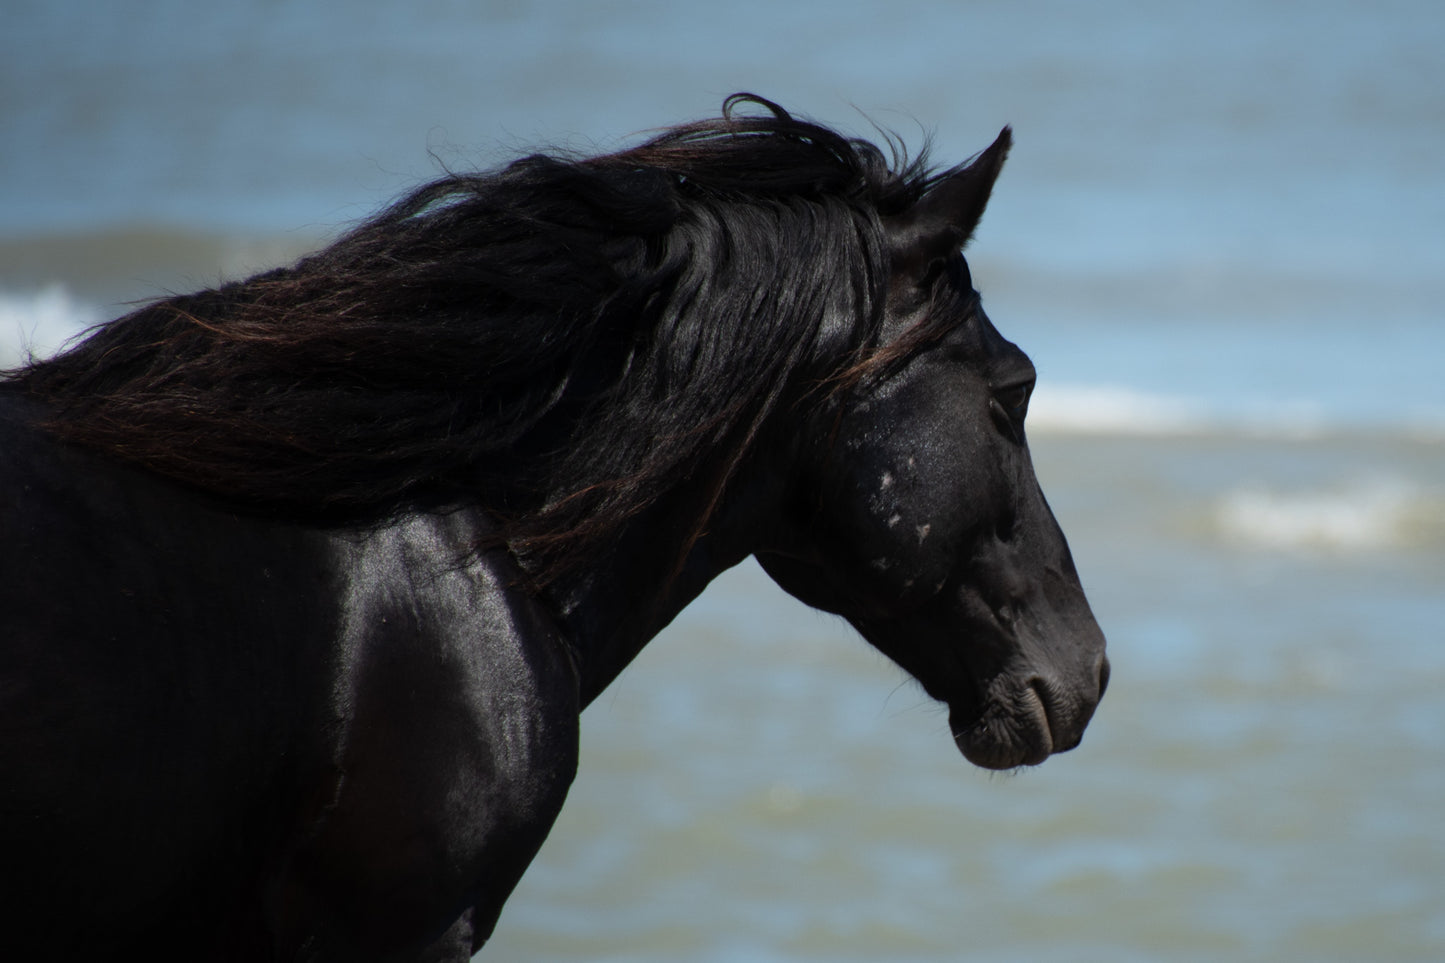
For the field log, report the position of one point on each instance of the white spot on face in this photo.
(893, 520)
(923, 531)
(886, 482)
(881, 564)
(911, 462)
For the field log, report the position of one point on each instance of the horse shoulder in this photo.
(456, 710)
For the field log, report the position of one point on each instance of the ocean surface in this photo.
(1220, 237)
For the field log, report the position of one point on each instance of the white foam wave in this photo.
(1365, 515)
(1115, 410)
(39, 322)
(1111, 410)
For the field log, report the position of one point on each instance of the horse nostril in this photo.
(1103, 675)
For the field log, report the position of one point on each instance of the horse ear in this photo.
(943, 220)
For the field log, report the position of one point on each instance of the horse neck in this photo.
(610, 610)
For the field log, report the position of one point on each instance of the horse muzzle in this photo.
(1022, 721)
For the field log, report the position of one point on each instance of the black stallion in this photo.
(308, 577)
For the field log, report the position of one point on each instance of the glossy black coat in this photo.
(224, 737)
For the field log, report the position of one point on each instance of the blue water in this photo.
(1219, 236)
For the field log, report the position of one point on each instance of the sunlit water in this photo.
(1219, 237)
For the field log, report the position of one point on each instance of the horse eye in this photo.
(1015, 398)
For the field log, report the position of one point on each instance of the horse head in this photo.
(915, 512)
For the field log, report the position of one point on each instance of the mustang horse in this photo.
(308, 577)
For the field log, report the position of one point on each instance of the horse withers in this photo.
(308, 577)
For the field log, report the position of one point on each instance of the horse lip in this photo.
(1042, 708)
(1011, 733)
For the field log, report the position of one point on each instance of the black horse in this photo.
(307, 578)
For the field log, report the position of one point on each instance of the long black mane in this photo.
(560, 341)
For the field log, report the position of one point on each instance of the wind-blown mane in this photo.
(559, 341)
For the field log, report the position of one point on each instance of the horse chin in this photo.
(1012, 729)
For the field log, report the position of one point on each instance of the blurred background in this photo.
(1219, 236)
